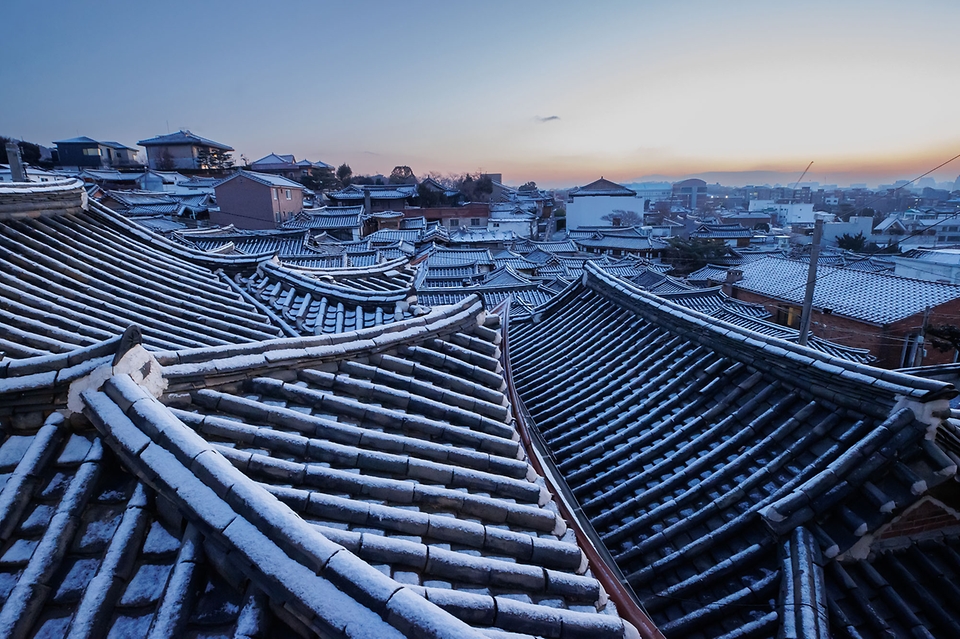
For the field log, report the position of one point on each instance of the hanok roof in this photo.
(347, 217)
(72, 277)
(622, 242)
(454, 256)
(262, 178)
(721, 231)
(317, 301)
(274, 161)
(183, 137)
(377, 192)
(739, 481)
(366, 485)
(878, 298)
(109, 175)
(287, 244)
(602, 187)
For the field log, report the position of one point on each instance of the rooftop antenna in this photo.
(168, 126)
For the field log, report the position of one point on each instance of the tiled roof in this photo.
(378, 192)
(721, 231)
(288, 244)
(183, 137)
(333, 300)
(453, 257)
(267, 179)
(78, 140)
(71, 280)
(160, 224)
(362, 485)
(602, 187)
(331, 218)
(393, 235)
(709, 273)
(736, 479)
(878, 298)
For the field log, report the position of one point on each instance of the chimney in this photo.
(733, 275)
(366, 201)
(16, 164)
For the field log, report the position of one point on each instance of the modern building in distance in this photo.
(181, 150)
(86, 153)
(787, 212)
(587, 205)
(690, 193)
(250, 200)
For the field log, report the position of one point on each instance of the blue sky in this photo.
(558, 92)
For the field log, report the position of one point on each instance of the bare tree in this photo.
(623, 218)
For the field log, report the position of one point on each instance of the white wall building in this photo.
(787, 213)
(587, 205)
(832, 231)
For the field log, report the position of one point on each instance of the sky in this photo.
(556, 92)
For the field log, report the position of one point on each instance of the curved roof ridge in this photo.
(330, 286)
(763, 346)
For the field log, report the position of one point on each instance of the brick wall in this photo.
(886, 343)
(927, 517)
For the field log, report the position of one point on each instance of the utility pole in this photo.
(918, 346)
(811, 282)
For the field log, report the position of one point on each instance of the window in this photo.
(474, 221)
(287, 194)
(92, 151)
(454, 222)
(275, 194)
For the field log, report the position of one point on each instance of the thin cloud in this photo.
(549, 118)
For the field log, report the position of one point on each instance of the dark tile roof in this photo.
(699, 451)
(327, 219)
(266, 179)
(288, 244)
(721, 231)
(377, 192)
(334, 300)
(71, 280)
(183, 137)
(364, 485)
(602, 187)
(878, 298)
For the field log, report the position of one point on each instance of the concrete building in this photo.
(83, 152)
(690, 193)
(251, 200)
(183, 150)
(587, 205)
(787, 212)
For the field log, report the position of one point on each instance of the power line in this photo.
(908, 237)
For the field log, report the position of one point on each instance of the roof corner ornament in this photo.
(131, 358)
(131, 337)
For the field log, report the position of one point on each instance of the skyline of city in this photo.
(559, 93)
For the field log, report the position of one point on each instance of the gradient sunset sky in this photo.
(557, 92)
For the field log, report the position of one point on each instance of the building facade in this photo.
(250, 200)
(184, 150)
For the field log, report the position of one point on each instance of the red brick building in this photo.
(880, 312)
